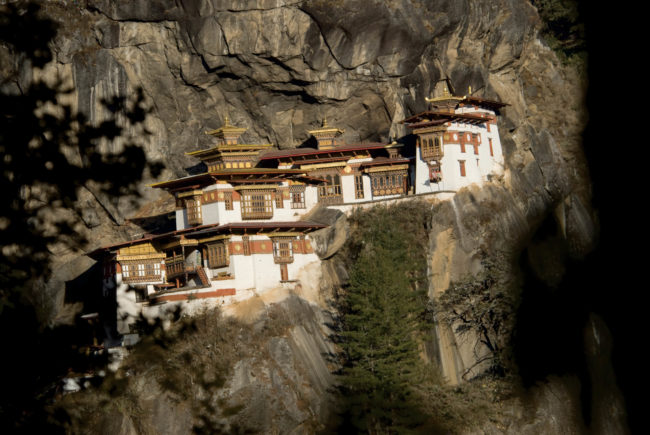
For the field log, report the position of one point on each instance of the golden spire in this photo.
(226, 122)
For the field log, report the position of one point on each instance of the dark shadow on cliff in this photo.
(157, 224)
(548, 335)
(607, 282)
(51, 153)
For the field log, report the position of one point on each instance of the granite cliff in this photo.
(278, 67)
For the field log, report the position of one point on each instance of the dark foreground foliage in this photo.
(50, 153)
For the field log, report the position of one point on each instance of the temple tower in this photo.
(327, 137)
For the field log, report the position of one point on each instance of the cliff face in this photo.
(278, 67)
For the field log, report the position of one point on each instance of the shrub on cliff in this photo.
(483, 307)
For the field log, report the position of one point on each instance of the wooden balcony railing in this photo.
(176, 266)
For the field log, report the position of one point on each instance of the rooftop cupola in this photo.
(444, 100)
(227, 134)
(327, 137)
(229, 152)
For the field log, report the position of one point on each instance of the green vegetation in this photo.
(385, 384)
(563, 29)
(383, 313)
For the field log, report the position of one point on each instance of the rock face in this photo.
(278, 67)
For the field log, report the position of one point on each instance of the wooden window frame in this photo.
(461, 163)
(431, 147)
(491, 149)
(358, 186)
(330, 192)
(193, 210)
(283, 249)
(284, 272)
(279, 200)
(246, 245)
(388, 183)
(257, 204)
(227, 200)
(298, 200)
(218, 255)
(139, 271)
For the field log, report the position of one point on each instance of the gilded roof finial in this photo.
(469, 92)
(324, 122)
(227, 122)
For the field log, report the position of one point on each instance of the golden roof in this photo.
(446, 93)
(227, 129)
(326, 130)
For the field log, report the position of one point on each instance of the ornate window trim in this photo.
(297, 196)
(257, 204)
(388, 183)
(283, 249)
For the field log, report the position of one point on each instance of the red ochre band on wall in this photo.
(191, 296)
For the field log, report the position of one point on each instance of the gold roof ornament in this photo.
(227, 130)
(447, 100)
(326, 130)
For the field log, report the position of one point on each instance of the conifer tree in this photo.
(382, 315)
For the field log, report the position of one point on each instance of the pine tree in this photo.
(382, 315)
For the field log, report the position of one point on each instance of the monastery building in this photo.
(241, 225)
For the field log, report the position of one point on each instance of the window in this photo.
(125, 271)
(246, 245)
(491, 150)
(218, 255)
(432, 148)
(330, 192)
(462, 167)
(298, 200)
(279, 203)
(435, 175)
(358, 186)
(388, 183)
(140, 271)
(283, 249)
(227, 200)
(257, 204)
(284, 272)
(297, 196)
(193, 207)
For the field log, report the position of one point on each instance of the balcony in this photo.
(176, 266)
